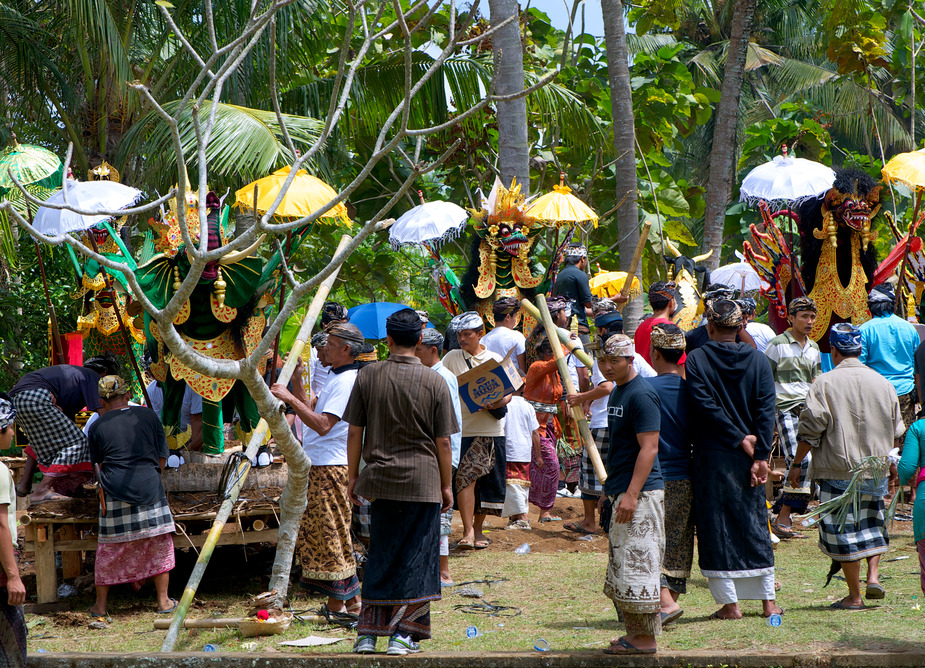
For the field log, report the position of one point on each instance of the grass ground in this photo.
(556, 588)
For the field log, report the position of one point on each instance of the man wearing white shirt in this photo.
(504, 338)
(325, 545)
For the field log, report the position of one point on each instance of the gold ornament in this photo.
(220, 286)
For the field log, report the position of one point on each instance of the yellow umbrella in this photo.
(610, 283)
(306, 195)
(561, 207)
(906, 168)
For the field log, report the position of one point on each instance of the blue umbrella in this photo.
(370, 318)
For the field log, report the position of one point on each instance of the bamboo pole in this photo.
(255, 442)
(577, 413)
(564, 336)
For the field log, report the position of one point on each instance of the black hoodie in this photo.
(732, 388)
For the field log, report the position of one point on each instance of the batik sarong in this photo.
(679, 535)
(544, 482)
(325, 546)
(12, 630)
(864, 534)
(402, 574)
(588, 484)
(482, 461)
(795, 498)
(634, 563)
(569, 447)
(56, 443)
(518, 489)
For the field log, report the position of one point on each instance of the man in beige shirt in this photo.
(481, 479)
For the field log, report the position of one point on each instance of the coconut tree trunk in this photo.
(513, 150)
(723, 153)
(624, 144)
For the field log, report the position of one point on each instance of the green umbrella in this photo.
(30, 165)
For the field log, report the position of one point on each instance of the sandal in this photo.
(840, 605)
(170, 609)
(626, 648)
(465, 545)
(669, 617)
(345, 619)
(482, 543)
(105, 617)
(785, 531)
(577, 528)
(875, 591)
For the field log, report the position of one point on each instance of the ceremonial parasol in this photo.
(36, 168)
(306, 194)
(907, 169)
(561, 207)
(86, 195)
(370, 318)
(429, 224)
(786, 181)
(606, 284)
(739, 276)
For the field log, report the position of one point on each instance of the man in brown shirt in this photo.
(401, 416)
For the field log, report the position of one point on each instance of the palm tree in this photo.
(513, 149)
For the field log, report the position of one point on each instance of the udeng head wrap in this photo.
(725, 313)
(618, 345)
(845, 338)
(668, 336)
(467, 320)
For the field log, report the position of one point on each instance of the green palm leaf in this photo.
(246, 143)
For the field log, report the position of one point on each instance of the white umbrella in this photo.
(739, 276)
(431, 223)
(786, 180)
(85, 195)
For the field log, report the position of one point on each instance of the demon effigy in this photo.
(502, 262)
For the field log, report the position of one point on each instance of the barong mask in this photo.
(851, 202)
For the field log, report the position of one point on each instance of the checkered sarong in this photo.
(126, 522)
(55, 440)
(863, 536)
(787, 428)
(587, 478)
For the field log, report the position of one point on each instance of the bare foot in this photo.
(728, 611)
(49, 496)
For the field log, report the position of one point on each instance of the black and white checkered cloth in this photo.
(787, 428)
(125, 522)
(587, 479)
(54, 438)
(863, 536)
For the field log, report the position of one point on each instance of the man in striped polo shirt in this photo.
(795, 363)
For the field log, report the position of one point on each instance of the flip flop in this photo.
(577, 528)
(669, 617)
(465, 545)
(482, 543)
(840, 605)
(785, 531)
(626, 648)
(875, 591)
(105, 617)
(170, 609)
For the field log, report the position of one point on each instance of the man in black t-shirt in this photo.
(572, 283)
(635, 488)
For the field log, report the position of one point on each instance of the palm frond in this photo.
(647, 43)
(246, 143)
(93, 19)
(556, 107)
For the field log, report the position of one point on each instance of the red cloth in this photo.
(134, 561)
(518, 471)
(643, 337)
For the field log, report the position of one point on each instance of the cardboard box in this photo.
(488, 382)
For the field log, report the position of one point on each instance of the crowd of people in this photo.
(395, 451)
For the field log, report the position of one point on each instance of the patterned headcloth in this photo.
(618, 345)
(467, 320)
(801, 304)
(668, 336)
(319, 339)
(718, 293)
(423, 315)
(602, 306)
(557, 304)
(725, 313)
(112, 386)
(505, 306)
(882, 293)
(346, 332)
(7, 412)
(748, 305)
(432, 337)
(576, 250)
(367, 354)
(845, 338)
(333, 312)
(665, 289)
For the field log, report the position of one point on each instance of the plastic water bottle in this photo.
(774, 620)
(523, 549)
(472, 632)
(210, 648)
